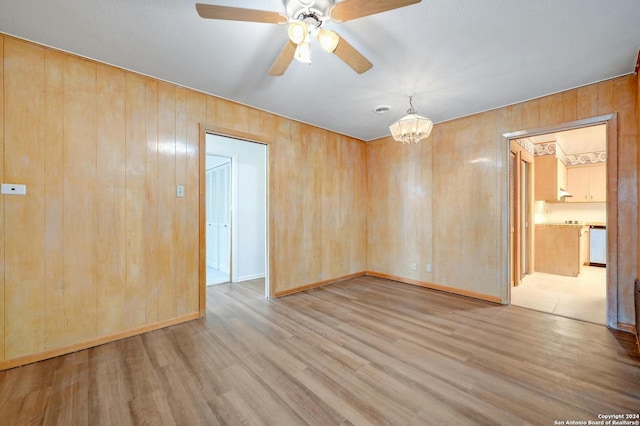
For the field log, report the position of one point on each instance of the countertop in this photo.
(578, 225)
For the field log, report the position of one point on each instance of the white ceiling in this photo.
(577, 141)
(455, 57)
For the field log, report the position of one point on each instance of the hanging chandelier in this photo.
(411, 127)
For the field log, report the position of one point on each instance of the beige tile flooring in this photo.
(215, 276)
(583, 297)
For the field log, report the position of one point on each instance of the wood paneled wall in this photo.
(319, 222)
(460, 170)
(100, 247)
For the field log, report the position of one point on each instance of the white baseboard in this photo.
(249, 277)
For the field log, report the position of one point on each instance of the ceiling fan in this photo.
(306, 19)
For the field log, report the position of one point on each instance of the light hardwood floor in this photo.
(363, 351)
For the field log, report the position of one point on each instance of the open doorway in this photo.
(568, 273)
(235, 211)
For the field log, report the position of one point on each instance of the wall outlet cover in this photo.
(14, 189)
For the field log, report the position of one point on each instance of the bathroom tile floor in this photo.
(583, 297)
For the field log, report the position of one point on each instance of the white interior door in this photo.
(210, 209)
(218, 217)
(224, 218)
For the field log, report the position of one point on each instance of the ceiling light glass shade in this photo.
(298, 31)
(303, 52)
(328, 40)
(411, 128)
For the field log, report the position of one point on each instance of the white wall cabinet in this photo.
(587, 184)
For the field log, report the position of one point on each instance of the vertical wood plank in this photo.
(352, 199)
(54, 197)
(24, 216)
(135, 194)
(308, 269)
(288, 225)
(181, 224)
(425, 206)
(167, 234)
(531, 114)
(211, 111)
(328, 178)
(605, 97)
(111, 202)
(569, 105)
(224, 115)
(509, 119)
(273, 152)
(197, 111)
(152, 247)
(80, 211)
(261, 123)
(551, 110)
(623, 102)
(2, 299)
(587, 100)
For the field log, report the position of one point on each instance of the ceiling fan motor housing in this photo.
(297, 8)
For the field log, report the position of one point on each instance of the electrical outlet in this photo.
(428, 267)
(414, 266)
(180, 191)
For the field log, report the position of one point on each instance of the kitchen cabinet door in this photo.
(550, 178)
(546, 172)
(578, 180)
(598, 183)
(587, 184)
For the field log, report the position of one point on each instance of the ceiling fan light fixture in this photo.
(328, 39)
(303, 52)
(298, 32)
(412, 127)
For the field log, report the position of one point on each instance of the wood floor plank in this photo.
(362, 351)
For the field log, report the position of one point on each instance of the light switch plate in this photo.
(14, 189)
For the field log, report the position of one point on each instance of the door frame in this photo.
(611, 121)
(522, 156)
(269, 245)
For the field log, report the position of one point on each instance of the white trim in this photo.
(234, 216)
(250, 277)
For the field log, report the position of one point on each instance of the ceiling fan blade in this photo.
(238, 14)
(347, 10)
(284, 59)
(352, 57)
